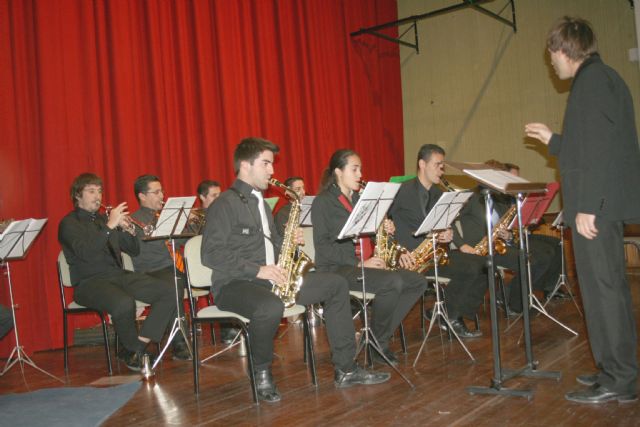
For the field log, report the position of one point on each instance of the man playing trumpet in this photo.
(92, 244)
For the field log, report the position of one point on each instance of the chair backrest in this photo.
(127, 262)
(64, 277)
(308, 247)
(198, 275)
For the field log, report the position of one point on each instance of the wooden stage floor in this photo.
(439, 398)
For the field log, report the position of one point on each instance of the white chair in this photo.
(199, 276)
(64, 281)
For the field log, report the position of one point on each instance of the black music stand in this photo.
(505, 183)
(533, 207)
(563, 279)
(440, 217)
(16, 242)
(366, 217)
(174, 217)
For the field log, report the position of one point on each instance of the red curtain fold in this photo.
(124, 88)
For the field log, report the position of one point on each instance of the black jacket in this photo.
(473, 218)
(233, 240)
(328, 216)
(598, 150)
(410, 208)
(90, 247)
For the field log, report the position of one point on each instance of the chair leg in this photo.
(212, 330)
(477, 322)
(196, 359)
(64, 338)
(105, 334)
(403, 341)
(252, 374)
(503, 291)
(308, 348)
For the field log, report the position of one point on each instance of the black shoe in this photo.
(133, 359)
(180, 349)
(462, 331)
(587, 379)
(599, 394)
(227, 334)
(265, 386)
(376, 358)
(359, 376)
(559, 295)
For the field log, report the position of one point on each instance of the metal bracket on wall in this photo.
(413, 20)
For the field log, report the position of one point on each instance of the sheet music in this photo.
(171, 212)
(499, 179)
(535, 205)
(444, 211)
(368, 213)
(305, 210)
(17, 239)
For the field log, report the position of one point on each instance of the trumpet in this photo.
(131, 223)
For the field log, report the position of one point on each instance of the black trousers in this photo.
(116, 293)
(396, 293)
(6, 320)
(255, 301)
(510, 260)
(607, 305)
(465, 292)
(166, 274)
(548, 251)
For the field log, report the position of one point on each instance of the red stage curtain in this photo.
(123, 88)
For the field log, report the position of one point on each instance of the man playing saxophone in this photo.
(241, 244)
(465, 291)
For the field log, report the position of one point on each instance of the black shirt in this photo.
(91, 248)
(233, 240)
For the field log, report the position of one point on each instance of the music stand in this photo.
(505, 183)
(16, 242)
(440, 217)
(170, 225)
(305, 210)
(365, 218)
(563, 279)
(533, 207)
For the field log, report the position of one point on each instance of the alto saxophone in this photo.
(424, 256)
(499, 245)
(292, 260)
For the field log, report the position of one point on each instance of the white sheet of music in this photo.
(368, 213)
(18, 237)
(495, 178)
(305, 210)
(175, 209)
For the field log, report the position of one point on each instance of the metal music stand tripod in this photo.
(506, 183)
(534, 302)
(366, 217)
(15, 243)
(440, 217)
(178, 323)
(563, 280)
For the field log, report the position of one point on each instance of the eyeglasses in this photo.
(156, 192)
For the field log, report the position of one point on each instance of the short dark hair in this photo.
(339, 160)
(289, 181)
(495, 164)
(82, 181)
(510, 166)
(425, 152)
(250, 148)
(141, 184)
(204, 186)
(574, 37)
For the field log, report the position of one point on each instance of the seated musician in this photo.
(465, 292)
(396, 291)
(208, 192)
(155, 256)
(241, 244)
(473, 223)
(549, 248)
(296, 183)
(92, 244)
